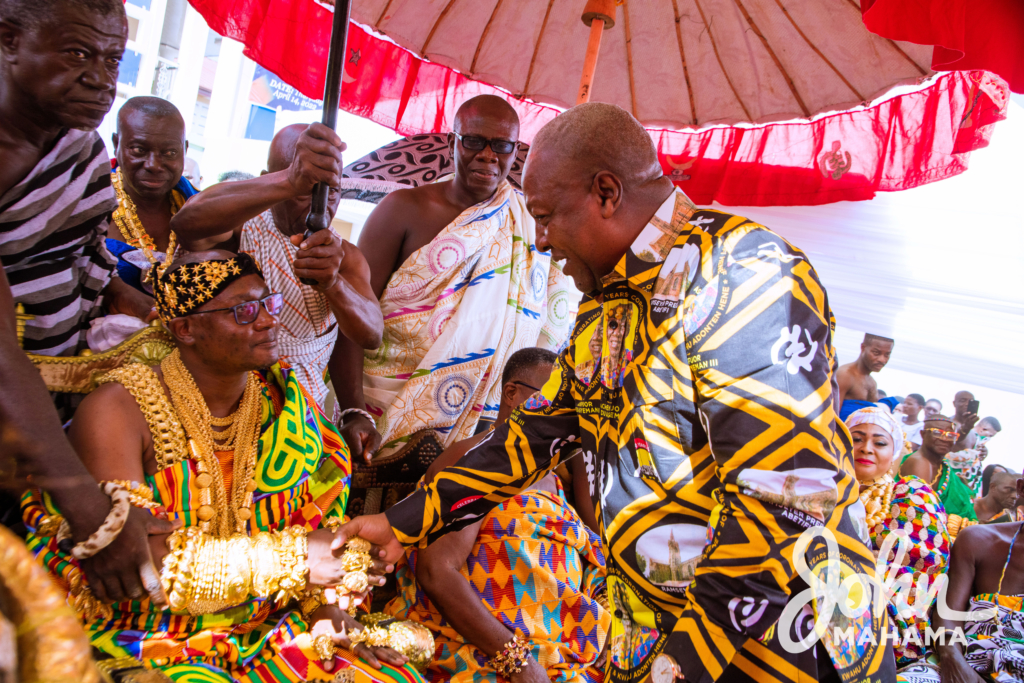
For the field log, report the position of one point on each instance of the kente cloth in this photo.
(132, 264)
(956, 496)
(453, 314)
(539, 570)
(52, 227)
(714, 336)
(302, 476)
(915, 509)
(852, 405)
(307, 330)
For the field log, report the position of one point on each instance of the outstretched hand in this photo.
(374, 528)
(125, 569)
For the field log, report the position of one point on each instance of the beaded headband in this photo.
(878, 415)
(182, 289)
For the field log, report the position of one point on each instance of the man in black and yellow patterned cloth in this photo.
(705, 417)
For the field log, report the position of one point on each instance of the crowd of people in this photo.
(608, 490)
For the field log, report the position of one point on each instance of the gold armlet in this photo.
(204, 574)
(953, 523)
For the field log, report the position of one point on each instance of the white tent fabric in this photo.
(939, 268)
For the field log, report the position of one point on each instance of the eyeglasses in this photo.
(942, 433)
(247, 311)
(475, 143)
(524, 384)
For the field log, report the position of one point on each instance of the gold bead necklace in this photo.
(217, 514)
(126, 218)
(877, 496)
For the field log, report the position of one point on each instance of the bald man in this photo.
(463, 286)
(265, 217)
(708, 425)
(997, 505)
(149, 149)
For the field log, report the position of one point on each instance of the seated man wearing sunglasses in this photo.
(269, 218)
(462, 287)
(929, 464)
(221, 439)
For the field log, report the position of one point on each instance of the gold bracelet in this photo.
(204, 574)
(512, 658)
(413, 640)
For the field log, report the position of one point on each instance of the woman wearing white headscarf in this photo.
(906, 504)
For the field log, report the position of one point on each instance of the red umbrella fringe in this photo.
(899, 143)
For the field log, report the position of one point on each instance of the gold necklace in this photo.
(877, 496)
(126, 218)
(223, 517)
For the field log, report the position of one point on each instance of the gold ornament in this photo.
(323, 647)
(126, 218)
(144, 386)
(413, 640)
(217, 513)
(139, 495)
(204, 574)
(877, 496)
(512, 658)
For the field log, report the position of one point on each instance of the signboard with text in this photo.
(270, 91)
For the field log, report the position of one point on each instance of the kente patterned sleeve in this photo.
(539, 435)
(762, 379)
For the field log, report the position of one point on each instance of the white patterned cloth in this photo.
(453, 314)
(308, 328)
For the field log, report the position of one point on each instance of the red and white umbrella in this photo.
(750, 102)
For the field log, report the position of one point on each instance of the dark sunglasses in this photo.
(524, 384)
(475, 143)
(247, 311)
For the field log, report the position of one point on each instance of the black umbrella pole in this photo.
(318, 218)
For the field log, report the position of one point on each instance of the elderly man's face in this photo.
(569, 221)
(481, 171)
(223, 343)
(151, 153)
(69, 66)
(1004, 489)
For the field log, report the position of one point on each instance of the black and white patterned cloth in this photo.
(414, 161)
(52, 229)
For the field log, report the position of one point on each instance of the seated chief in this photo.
(269, 218)
(223, 440)
(477, 587)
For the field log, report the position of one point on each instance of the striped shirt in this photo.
(52, 227)
(308, 329)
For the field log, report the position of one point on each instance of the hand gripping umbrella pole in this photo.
(318, 218)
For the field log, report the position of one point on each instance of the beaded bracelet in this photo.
(108, 531)
(512, 658)
(348, 411)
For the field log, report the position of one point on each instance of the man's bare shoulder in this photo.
(986, 536)
(410, 199)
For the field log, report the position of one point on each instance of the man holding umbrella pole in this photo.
(708, 424)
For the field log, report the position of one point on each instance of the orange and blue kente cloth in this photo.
(302, 477)
(540, 571)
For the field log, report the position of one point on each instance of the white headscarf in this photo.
(880, 415)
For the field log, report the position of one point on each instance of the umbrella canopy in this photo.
(764, 61)
(671, 63)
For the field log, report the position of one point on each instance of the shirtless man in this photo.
(984, 560)
(483, 147)
(58, 77)
(855, 381)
